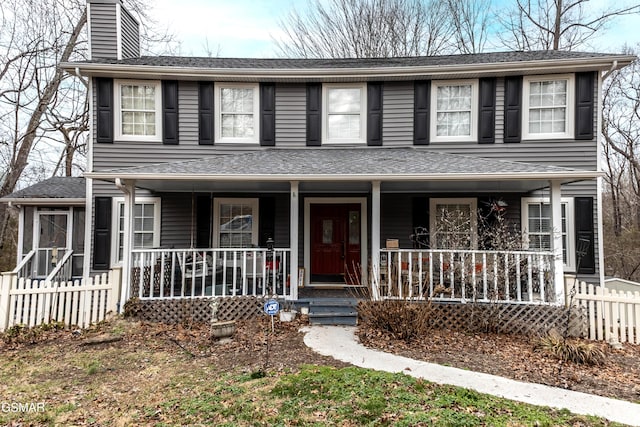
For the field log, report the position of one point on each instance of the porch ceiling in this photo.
(344, 169)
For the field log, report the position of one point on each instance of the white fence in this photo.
(612, 316)
(76, 303)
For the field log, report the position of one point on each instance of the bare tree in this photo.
(43, 110)
(470, 20)
(621, 148)
(367, 29)
(557, 24)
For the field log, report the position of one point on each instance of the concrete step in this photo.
(333, 311)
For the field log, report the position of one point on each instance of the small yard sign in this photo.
(271, 307)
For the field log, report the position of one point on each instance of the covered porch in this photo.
(359, 185)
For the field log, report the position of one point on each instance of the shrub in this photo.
(571, 350)
(401, 319)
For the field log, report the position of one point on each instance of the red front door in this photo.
(335, 243)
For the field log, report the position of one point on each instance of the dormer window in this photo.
(237, 117)
(137, 107)
(344, 108)
(455, 105)
(548, 111)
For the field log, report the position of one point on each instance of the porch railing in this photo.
(466, 275)
(24, 267)
(180, 273)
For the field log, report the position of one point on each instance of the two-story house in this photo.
(230, 176)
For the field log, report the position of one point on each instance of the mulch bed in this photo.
(516, 357)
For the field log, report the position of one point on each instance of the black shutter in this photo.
(584, 105)
(104, 110)
(584, 234)
(267, 114)
(102, 233)
(421, 100)
(420, 220)
(267, 221)
(170, 112)
(513, 109)
(487, 111)
(203, 221)
(374, 113)
(205, 113)
(314, 114)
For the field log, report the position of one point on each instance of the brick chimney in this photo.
(113, 31)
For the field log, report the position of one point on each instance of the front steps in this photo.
(333, 311)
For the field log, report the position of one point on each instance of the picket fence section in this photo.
(613, 316)
(75, 303)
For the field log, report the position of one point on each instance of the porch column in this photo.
(556, 240)
(129, 189)
(375, 227)
(293, 239)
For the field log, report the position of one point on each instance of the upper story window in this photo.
(344, 113)
(455, 105)
(138, 110)
(548, 107)
(237, 117)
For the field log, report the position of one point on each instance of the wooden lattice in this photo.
(520, 319)
(198, 310)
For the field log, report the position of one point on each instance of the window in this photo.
(344, 108)
(453, 223)
(237, 117)
(548, 107)
(146, 225)
(536, 224)
(455, 115)
(137, 110)
(236, 223)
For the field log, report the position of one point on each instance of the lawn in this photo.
(160, 375)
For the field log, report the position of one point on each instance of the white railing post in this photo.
(293, 241)
(375, 227)
(7, 281)
(556, 241)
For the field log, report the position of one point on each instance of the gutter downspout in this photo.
(129, 202)
(614, 65)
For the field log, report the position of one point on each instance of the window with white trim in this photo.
(548, 107)
(536, 226)
(344, 109)
(453, 223)
(146, 225)
(235, 223)
(138, 115)
(455, 110)
(237, 112)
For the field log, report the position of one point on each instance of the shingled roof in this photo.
(329, 162)
(292, 64)
(59, 187)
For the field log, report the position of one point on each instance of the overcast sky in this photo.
(244, 28)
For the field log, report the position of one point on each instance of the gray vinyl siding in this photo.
(291, 118)
(397, 114)
(130, 35)
(103, 30)
(396, 218)
(177, 223)
(188, 113)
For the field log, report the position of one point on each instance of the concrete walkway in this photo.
(341, 343)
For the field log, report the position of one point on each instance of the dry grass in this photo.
(569, 350)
